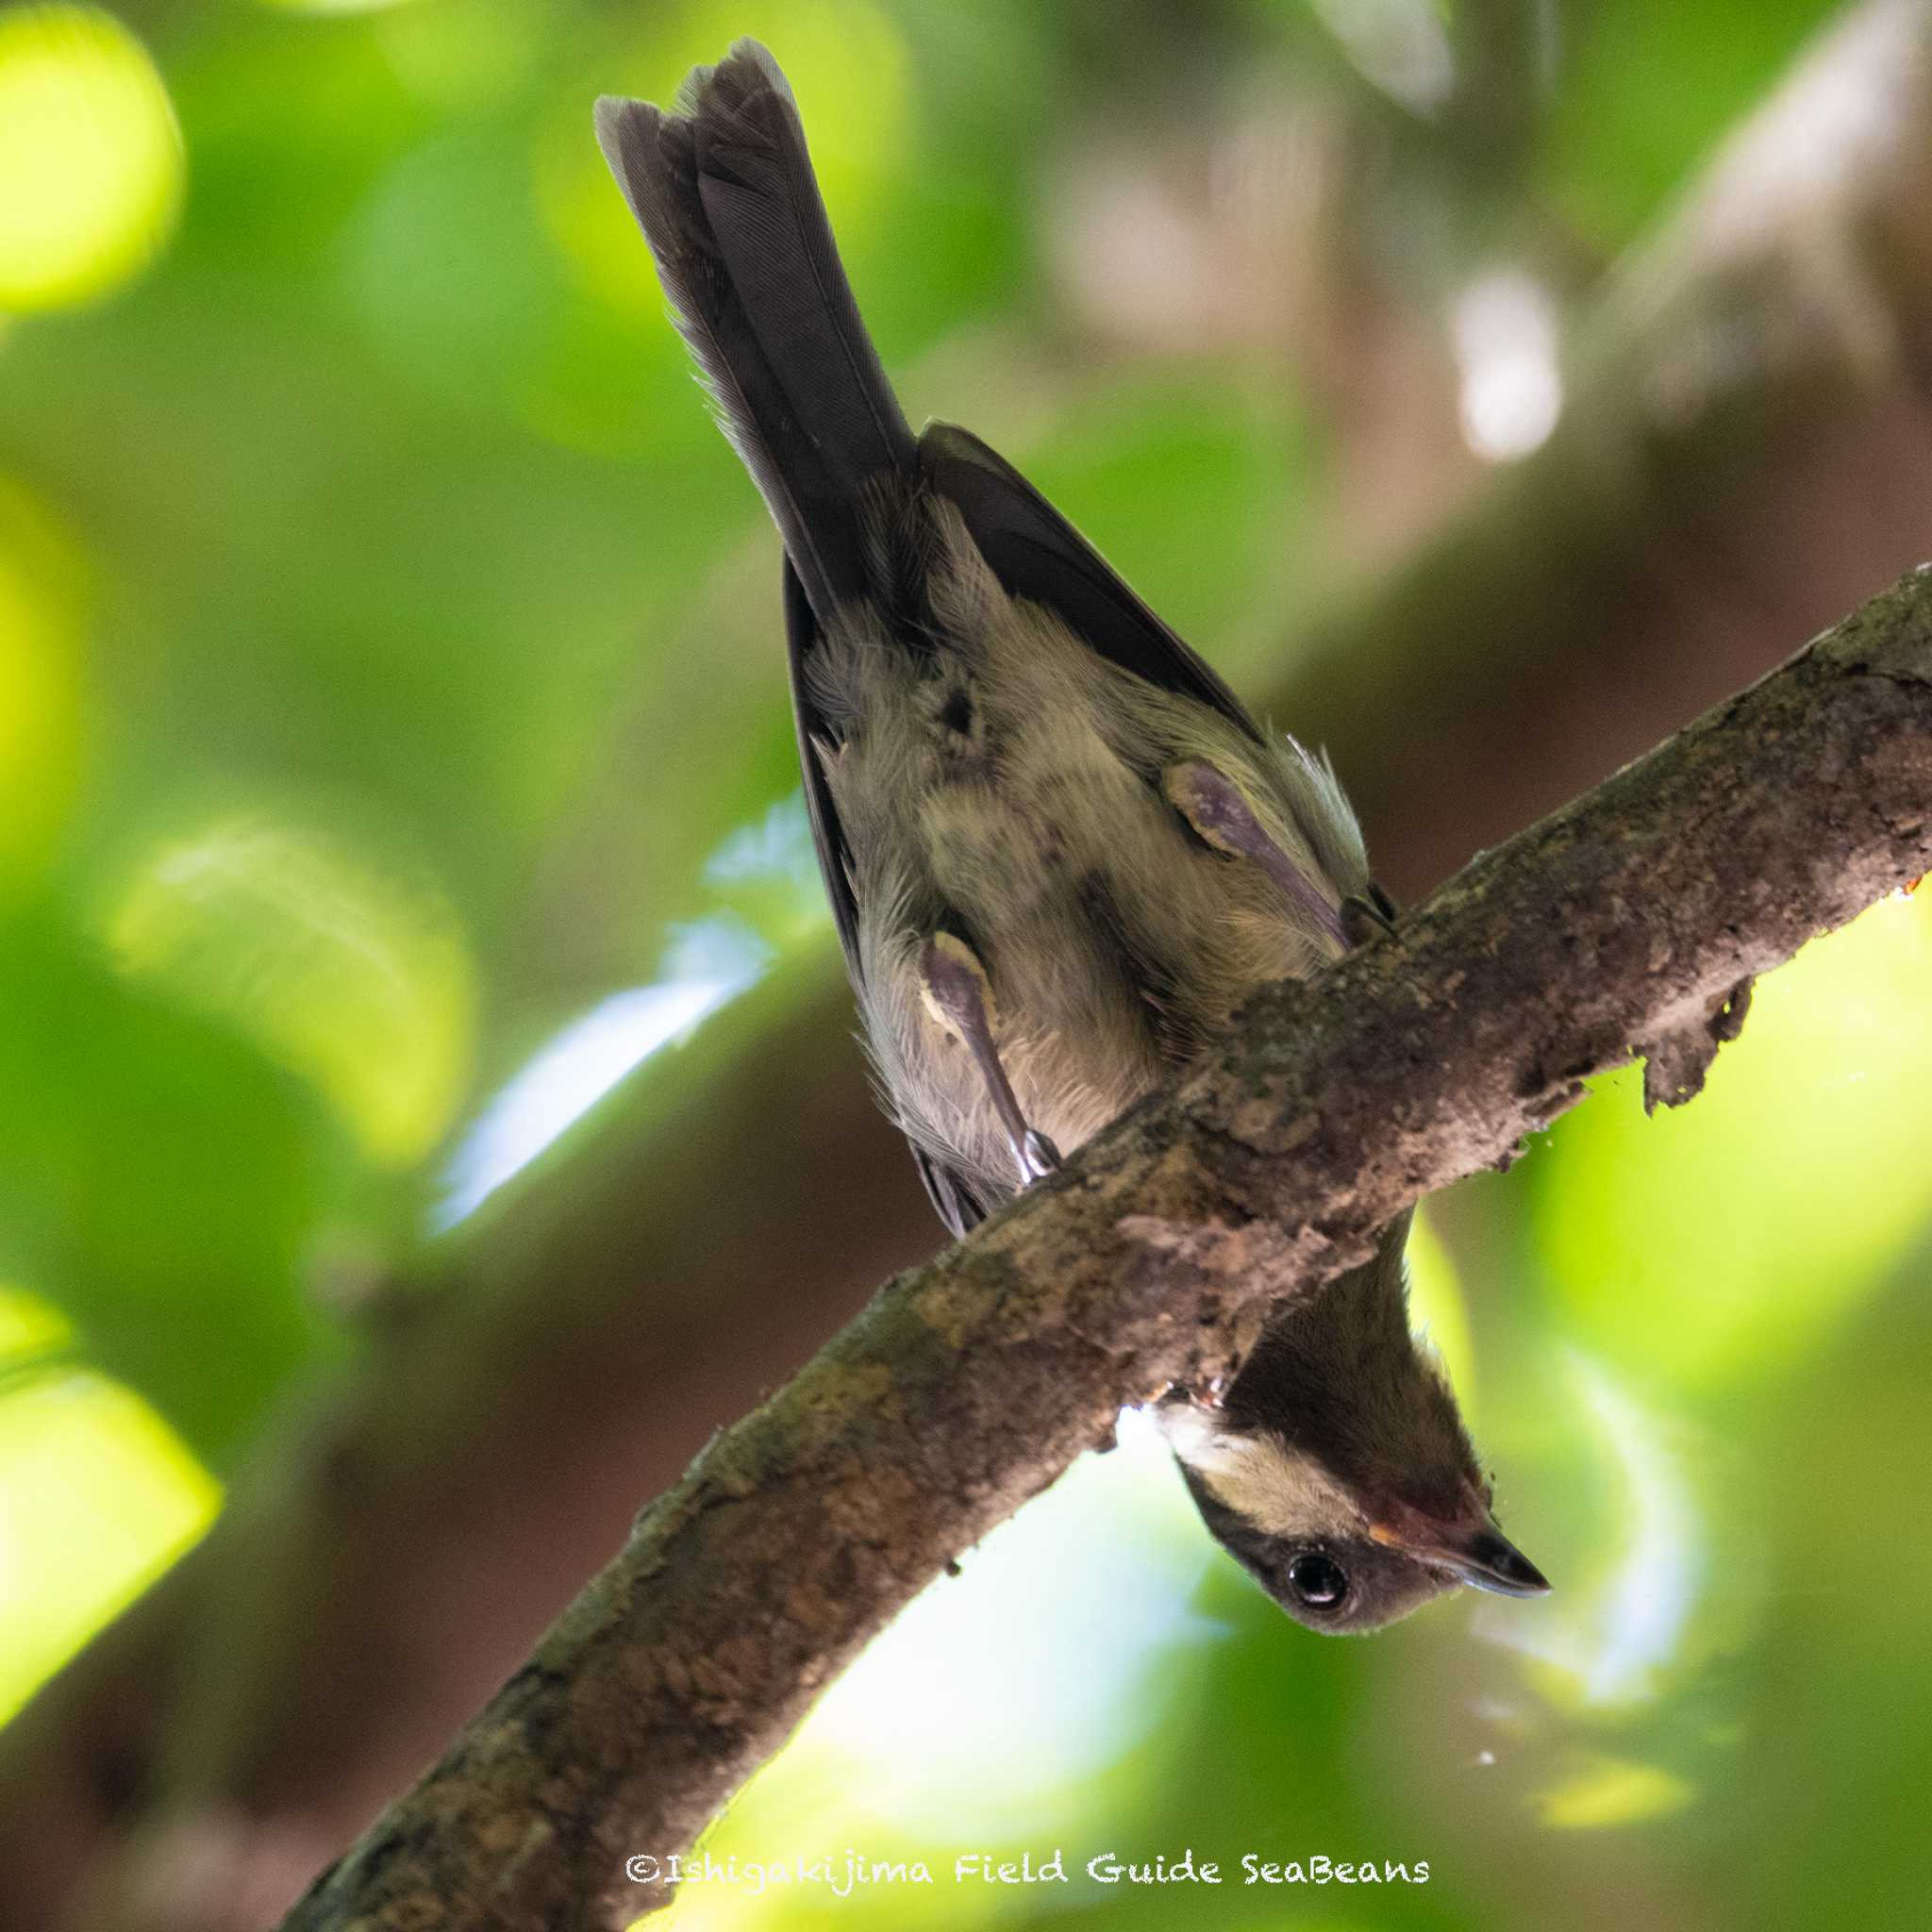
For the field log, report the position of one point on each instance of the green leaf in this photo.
(159, 1183)
(1648, 92)
(1721, 1240)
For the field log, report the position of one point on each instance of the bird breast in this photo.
(1000, 780)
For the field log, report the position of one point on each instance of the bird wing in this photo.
(1037, 555)
(956, 1203)
(828, 837)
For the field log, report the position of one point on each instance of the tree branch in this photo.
(1621, 925)
(1676, 526)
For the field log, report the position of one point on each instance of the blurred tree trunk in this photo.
(1747, 450)
(406, 1531)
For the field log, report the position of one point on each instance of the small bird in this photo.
(1059, 852)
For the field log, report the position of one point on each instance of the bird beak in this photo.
(1474, 1551)
(1491, 1562)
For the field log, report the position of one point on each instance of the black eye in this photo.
(1318, 1582)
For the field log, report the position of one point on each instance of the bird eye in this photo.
(1317, 1581)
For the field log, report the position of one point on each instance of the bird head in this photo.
(1336, 1468)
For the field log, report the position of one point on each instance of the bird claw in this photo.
(1362, 920)
(1037, 1154)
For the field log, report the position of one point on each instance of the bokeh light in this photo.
(354, 976)
(1609, 1637)
(1439, 1311)
(1505, 326)
(569, 1074)
(766, 876)
(97, 1494)
(1117, 1541)
(1605, 1792)
(90, 158)
(1402, 46)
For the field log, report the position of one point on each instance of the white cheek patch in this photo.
(1259, 1479)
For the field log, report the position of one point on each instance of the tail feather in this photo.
(724, 192)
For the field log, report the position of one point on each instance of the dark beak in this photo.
(1467, 1544)
(1491, 1562)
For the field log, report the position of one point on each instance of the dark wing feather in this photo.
(957, 1204)
(1037, 554)
(954, 1202)
(835, 856)
(725, 195)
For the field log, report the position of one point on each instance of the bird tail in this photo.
(724, 192)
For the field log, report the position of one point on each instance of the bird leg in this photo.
(958, 996)
(1211, 802)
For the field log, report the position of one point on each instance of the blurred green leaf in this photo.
(97, 1496)
(42, 656)
(1722, 1239)
(336, 967)
(159, 1181)
(1195, 485)
(90, 166)
(1439, 1311)
(1647, 91)
(1608, 1791)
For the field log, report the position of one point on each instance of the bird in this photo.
(1060, 853)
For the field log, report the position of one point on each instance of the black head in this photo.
(1346, 1581)
(1337, 1471)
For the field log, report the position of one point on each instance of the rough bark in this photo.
(1620, 925)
